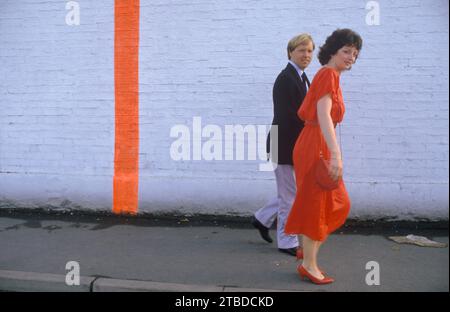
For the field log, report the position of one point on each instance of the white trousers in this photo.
(280, 206)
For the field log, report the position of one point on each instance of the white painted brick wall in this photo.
(218, 60)
(57, 104)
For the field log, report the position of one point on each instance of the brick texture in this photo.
(218, 60)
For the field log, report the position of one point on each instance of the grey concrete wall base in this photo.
(45, 282)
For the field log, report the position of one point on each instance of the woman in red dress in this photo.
(317, 212)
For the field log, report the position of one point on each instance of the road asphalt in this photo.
(47, 253)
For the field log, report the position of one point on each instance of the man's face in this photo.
(302, 55)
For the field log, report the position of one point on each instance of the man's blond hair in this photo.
(298, 40)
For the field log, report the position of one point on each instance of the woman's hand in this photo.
(336, 168)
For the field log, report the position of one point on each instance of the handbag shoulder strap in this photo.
(340, 142)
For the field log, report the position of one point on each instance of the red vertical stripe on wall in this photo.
(126, 72)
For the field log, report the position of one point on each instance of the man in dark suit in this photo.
(289, 91)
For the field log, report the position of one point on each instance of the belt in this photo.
(315, 123)
(311, 123)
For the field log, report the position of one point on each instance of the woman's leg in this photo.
(310, 251)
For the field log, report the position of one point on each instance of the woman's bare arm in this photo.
(327, 128)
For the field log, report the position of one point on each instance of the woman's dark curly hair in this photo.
(338, 39)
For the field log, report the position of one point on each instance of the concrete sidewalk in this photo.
(116, 256)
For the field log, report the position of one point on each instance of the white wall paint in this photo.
(218, 60)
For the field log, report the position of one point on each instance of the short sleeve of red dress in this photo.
(325, 82)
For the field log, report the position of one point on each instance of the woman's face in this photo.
(345, 57)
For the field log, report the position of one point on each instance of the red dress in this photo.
(317, 212)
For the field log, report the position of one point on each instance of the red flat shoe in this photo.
(305, 274)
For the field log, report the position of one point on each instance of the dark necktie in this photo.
(304, 82)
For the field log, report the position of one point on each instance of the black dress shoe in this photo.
(263, 231)
(289, 251)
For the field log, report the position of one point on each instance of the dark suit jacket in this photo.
(288, 95)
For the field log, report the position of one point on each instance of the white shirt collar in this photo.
(299, 71)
